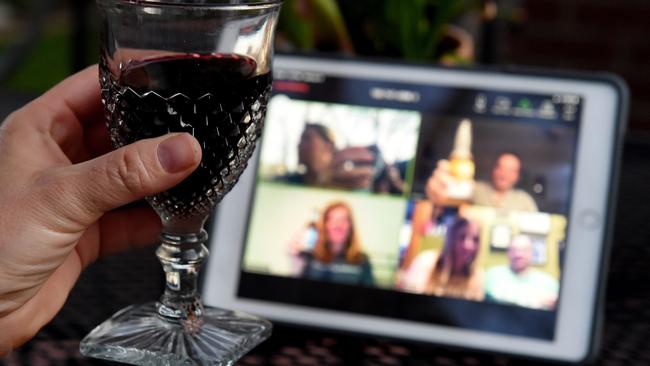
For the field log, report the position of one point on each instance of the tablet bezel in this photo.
(599, 140)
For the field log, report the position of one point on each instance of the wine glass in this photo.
(202, 67)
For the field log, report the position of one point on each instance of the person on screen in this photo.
(452, 273)
(355, 167)
(338, 256)
(500, 192)
(315, 154)
(517, 283)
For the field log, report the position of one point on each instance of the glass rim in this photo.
(207, 4)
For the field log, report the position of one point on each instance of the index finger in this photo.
(444, 166)
(79, 94)
(66, 110)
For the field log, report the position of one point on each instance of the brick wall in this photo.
(601, 35)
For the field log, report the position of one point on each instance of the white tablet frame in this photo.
(599, 140)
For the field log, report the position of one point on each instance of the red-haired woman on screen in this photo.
(338, 256)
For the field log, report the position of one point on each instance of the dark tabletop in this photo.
(115, 282)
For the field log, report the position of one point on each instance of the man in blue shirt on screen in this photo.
(517, 283)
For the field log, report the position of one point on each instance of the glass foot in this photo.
(137, 335)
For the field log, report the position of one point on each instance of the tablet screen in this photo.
(432, 204)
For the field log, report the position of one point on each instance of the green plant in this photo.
(311, 24)
(411, 29)
(417, 26)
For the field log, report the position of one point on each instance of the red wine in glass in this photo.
(218, 98)
(201, 67)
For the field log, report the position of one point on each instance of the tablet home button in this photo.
(589, 219)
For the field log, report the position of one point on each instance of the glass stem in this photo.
(181, 256)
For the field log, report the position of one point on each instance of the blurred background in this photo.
(42, 41)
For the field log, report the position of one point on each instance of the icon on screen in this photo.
(480, 103)
(547, 110)
(524, 103)
(502, 106)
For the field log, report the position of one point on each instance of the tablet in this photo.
(469, 208)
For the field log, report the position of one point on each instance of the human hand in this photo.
(60, 193)
(550, 302)
(353, 168)
(297, 243)
(437, 189)
(296, 251)
(389, 181)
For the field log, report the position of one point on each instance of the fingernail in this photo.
(176, 153)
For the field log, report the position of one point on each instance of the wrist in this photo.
(18, 327)
(5, 346)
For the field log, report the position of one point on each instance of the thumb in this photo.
(127, 174)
